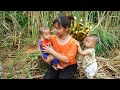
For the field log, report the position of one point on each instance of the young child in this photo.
(45, 38)
(89, 62)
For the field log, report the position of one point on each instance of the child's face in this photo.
(46, 34)
(89, 42)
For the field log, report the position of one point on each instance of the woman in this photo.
(65, 50)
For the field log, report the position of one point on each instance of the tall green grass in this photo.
(14, 28)
(107, 42)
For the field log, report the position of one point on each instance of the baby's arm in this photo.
(50, 57)
(80, 51)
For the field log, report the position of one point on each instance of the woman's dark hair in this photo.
(64, 21)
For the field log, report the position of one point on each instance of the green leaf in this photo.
(29, 76)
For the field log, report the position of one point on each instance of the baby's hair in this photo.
(42, 28)
(95, 37)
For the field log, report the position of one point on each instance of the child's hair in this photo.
(42, 28)
(96, 39)
(64, 21)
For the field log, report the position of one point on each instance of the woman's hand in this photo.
(47, 49)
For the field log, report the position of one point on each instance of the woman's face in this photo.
(58, 30)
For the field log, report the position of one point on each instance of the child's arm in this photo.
(80, 51)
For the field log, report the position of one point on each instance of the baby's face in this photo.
(46, 34)
(89, 42)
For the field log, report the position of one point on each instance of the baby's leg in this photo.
(49, 59)
(58, 66)
(91, 77)
(87, 74)
(91, 70)
(55, 66)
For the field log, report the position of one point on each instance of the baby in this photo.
(89, 62)
(45, 38)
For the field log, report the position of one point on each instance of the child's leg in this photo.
(55, 62)
(91, 70)
(49, 59)
(58, 66)
(91, 77)
(87, 74)
(45, 55)
(55, 66)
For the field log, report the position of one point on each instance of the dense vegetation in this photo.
(19, 29)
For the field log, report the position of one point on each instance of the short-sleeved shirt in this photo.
(69, 50)
(46, 42)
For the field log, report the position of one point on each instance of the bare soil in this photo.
(108, 68)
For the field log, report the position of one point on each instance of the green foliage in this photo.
(78, 15)
(93, 17)
(107, 42)
(33, 56)
(20, 54)
(15, 24)
(42, 66)
(22, 19)
(29, 75)
(11, 72)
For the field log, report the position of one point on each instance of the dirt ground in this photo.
(108, 68)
